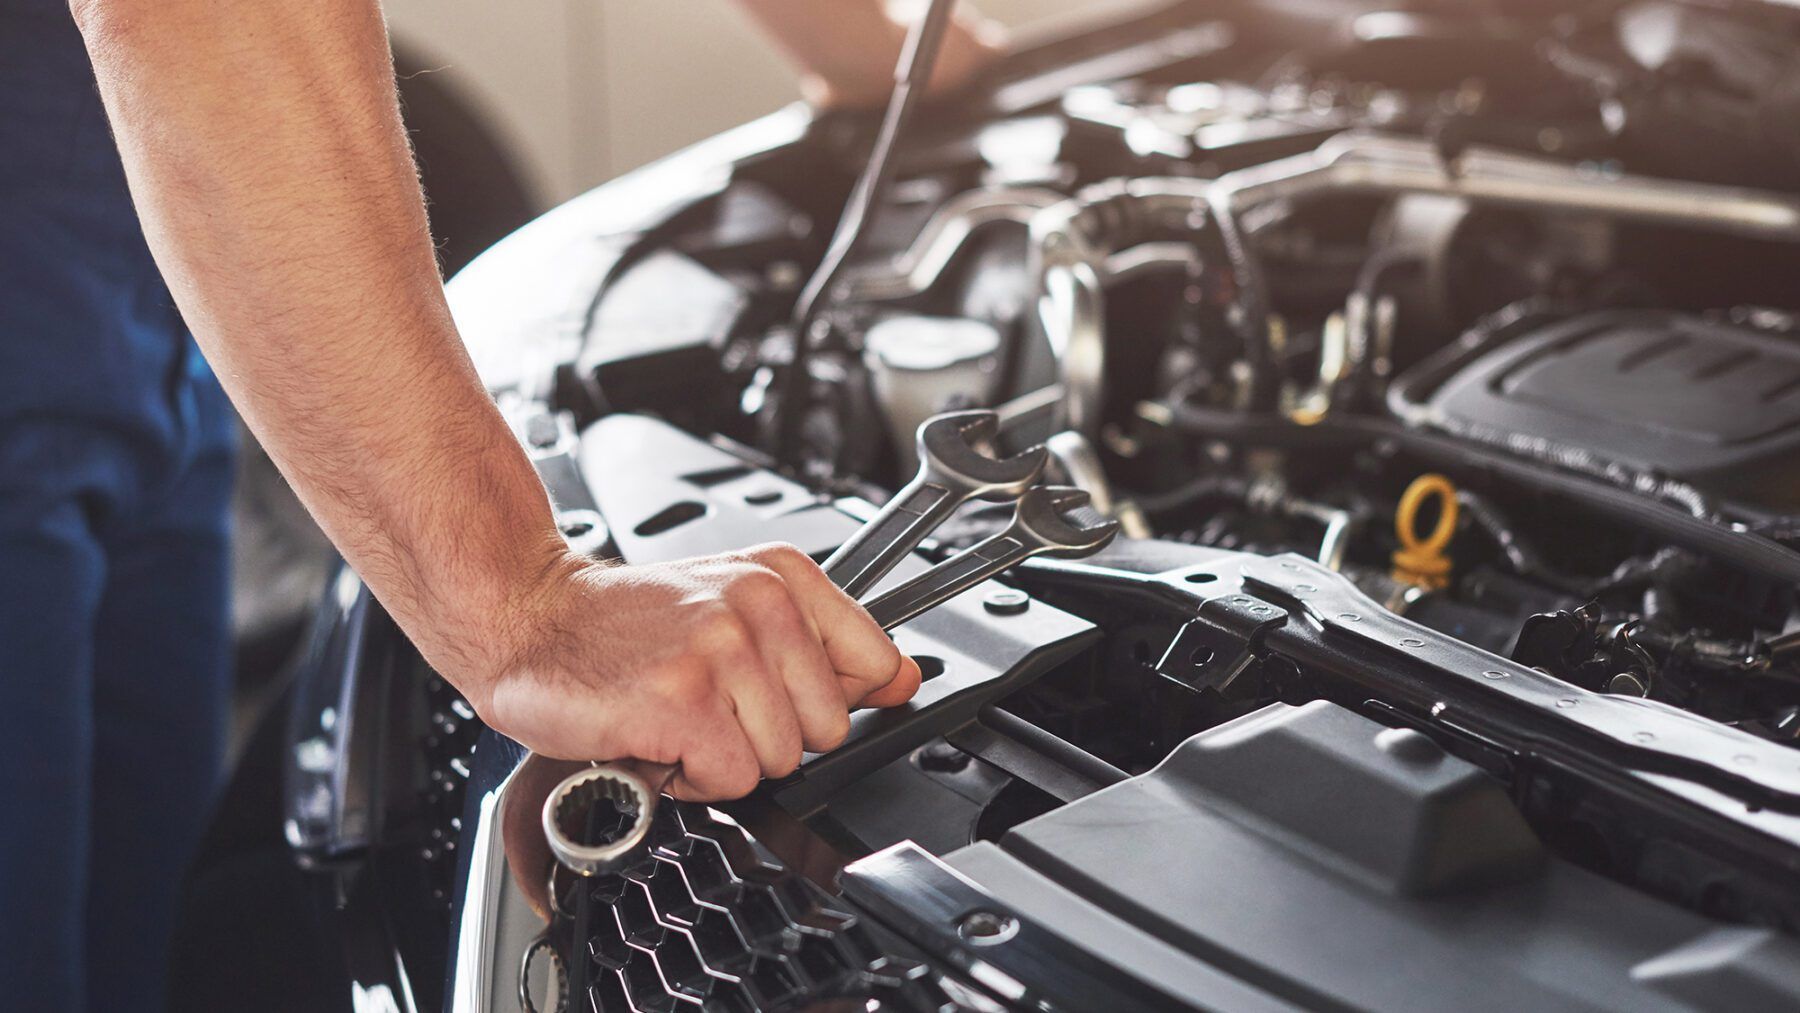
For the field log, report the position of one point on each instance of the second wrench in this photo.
(1038, 528)
(956, 465)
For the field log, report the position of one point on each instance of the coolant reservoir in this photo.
(924, 365)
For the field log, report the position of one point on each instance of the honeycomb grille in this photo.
(706, 919)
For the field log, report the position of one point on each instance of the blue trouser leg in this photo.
(161, 688)
(114, 692)
(51, 575)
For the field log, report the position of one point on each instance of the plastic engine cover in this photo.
(1709, 401)
(1309, 857)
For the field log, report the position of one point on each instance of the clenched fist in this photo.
(730, 665)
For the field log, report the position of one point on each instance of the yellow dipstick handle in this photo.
(1421, 561)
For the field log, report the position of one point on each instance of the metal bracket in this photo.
(1217, 646)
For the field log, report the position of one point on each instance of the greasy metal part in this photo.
(918, 267)
(1080, 463)
(955, 466)
(1360, 162)
(1336, 539)
(1270, 495)
(1038, 527)
(1029, 405)
(1377, 163)
(1336, 361)
(1073, 247)
(1073, 242)
(568, 816)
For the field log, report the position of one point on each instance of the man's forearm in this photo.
(266, 156)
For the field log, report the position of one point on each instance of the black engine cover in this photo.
(1708, 401)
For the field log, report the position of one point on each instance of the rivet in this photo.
(987, 928)
(1411, 642)
(1494, 673)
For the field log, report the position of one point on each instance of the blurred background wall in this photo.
(578, 91)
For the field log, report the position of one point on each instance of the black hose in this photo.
(917, 58)
(1524, 560)
(1193, 493)
(1252, 304)
(1677, 524)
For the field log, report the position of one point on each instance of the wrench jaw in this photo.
(1062, 520)
(955, 467)
(957, 449)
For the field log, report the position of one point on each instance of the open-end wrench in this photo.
(599, 817)
(956, 465)
(1038, 528)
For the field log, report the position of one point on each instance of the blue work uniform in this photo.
(115, 479)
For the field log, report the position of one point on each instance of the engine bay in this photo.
(1294, 308)
(1444, 379)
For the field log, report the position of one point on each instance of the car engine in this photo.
(1442, 373)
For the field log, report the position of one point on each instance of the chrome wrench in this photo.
(1039, 527)
(956, 465)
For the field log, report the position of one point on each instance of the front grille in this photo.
(707, 918)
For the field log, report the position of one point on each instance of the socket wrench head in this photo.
(598, 818)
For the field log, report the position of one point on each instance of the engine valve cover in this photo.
(1708, 401)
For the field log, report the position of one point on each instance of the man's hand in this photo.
(266, 158)
(729, 665)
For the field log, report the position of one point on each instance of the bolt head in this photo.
(1006, 601)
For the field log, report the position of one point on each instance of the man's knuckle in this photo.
(882, 660)
(721, 633)
(684, 684)
(786, 553)
(789, 762)
(836, 730)
(760, 588)
(741, 779)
